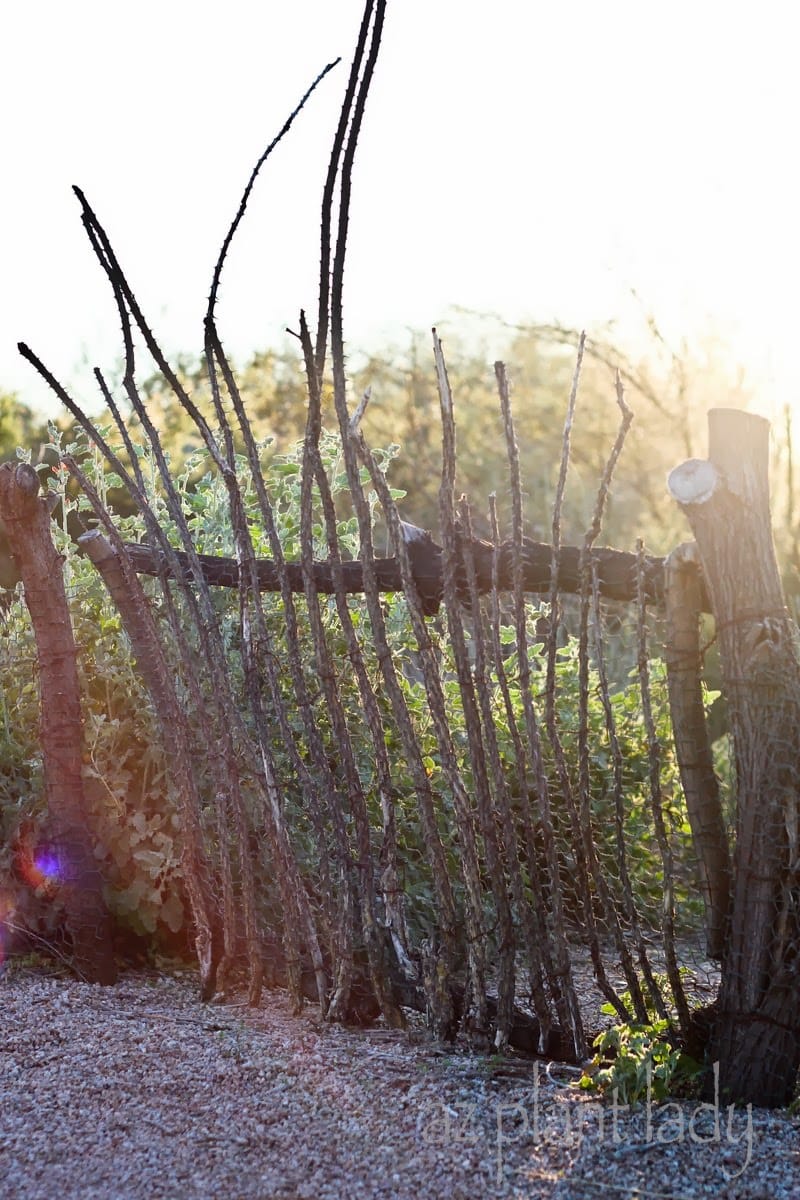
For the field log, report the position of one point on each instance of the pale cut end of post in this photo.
(693, 482)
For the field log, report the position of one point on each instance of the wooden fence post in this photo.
(26, 517)
(756, 1037)
(682, 600)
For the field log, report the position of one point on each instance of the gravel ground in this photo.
(140, 1091)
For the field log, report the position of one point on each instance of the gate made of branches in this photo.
(400, 783)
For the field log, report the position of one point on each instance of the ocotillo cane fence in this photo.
(397, 784)
(539, 882)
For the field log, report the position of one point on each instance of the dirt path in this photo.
(139, 1091)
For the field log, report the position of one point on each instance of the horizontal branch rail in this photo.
(616, 570)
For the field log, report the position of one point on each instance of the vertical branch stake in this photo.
(690, 732)
(26, 518)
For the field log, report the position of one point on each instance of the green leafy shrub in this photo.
(130, 811)
(127, 781)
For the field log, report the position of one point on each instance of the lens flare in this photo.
(41, 869)
(47, 863)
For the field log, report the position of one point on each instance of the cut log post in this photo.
(26, 517)
(682, 597)
(756, 1038)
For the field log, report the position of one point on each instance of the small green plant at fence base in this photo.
(635, 1062)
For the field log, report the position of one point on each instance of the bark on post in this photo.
(26, 518)
(682, 596)
(756, 1038)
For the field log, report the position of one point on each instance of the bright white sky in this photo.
(537, 160)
